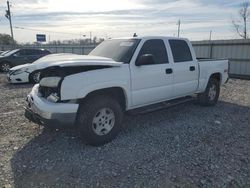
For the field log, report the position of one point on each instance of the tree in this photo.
(6, 39)
(241, 25)
(85, 41)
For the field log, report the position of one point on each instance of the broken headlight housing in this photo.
(49, 87)
(53, 97)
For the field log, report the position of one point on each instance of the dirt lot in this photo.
(183, 146)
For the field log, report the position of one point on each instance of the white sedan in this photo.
(30, 73)
(24, 74)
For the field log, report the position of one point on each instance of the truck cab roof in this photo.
(152, 37)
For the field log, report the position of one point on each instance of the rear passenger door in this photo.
(185, 68)
(151, 83)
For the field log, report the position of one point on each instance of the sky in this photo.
(64, 19)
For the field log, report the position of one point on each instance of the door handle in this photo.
(169, 71)
(192, 68)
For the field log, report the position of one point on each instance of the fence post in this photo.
(211, 51)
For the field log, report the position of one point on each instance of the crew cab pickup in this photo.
(92, 92)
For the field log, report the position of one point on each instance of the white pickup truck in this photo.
(92, 92)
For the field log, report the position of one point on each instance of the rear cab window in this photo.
(180, 50)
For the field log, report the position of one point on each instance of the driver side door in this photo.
(153, 82)
(19, 57)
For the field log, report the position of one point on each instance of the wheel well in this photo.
(217, 76)
(32, 74)
(115, 92)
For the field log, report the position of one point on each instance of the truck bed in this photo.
(208, 59)
(209, 67)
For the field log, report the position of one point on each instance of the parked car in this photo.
(135, 74)
(29, 72)
(19, 57)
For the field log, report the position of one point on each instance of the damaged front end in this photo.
(51, 79)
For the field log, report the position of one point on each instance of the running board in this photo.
(160, 106)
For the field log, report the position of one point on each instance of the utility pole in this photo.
(90, 37)
(210, 36)
(8, 16)
(179, 27)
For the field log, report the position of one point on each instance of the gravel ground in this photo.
(183, 146)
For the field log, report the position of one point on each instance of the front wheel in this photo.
(211, 94)
(99, 120)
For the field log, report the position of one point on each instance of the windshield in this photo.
(5, 52)
(120, 50)
(10, 52)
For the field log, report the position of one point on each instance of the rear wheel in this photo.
(211, 94)
(5, 66)
(35, 77)
(99, 120)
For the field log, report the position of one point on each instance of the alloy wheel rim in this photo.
(103, 121)
(5, 67)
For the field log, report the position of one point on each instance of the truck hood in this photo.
(65, 60)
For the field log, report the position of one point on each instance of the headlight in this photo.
(50, 81)
(20, 71)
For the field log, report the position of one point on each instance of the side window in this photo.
(32, 52)
(155, 47)
(180, 51)
(21, 53)
(44, 52)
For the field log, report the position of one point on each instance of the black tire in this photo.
(87, 113)
(33, 77)
(206, 99)
(5, 66)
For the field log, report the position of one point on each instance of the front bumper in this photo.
(30, 115)
(19, 78)
(43, 112)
